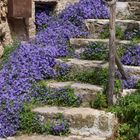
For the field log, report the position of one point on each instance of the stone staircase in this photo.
(83, 121)
(87, 123)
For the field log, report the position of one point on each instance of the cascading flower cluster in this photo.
(36, 61)
(132, 56)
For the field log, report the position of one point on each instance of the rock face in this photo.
(83, 121)
(87, 92)
(95, 26)
(40, 137)
(5, 37)
(64, 3)
(1, 51)
(22, 29)
(128, 9)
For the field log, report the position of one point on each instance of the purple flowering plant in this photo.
(35, 61)
(131, 56)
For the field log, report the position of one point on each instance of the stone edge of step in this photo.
(107, 21)
(97, 64)
(55, 84)
(49, 137)
(85, 41)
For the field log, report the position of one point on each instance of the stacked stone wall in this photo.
(24, 28)
(5, 37)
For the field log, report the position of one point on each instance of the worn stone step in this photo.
(82, 65)
(48, 137)
(83, 42)
(82, 121)
(128, 92)
(128, 10)
(87, 92)
(95, 26)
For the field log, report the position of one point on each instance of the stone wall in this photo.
(21, 28)
(64, 3)
(5, 36)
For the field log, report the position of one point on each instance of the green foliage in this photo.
(56, 126)
(121, 51)
(100, 102)
(59, 97)
(136, 40)
(9, 49)
(95, 51)
(136, 36)
(105, 32)
(96, 76)
(127, 110)
(138, 85)
(30, 123)
(119, 33)
(118, 86)
(127, 132)
(64, 97)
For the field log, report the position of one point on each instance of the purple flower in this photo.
(131, 56)
(36, 60)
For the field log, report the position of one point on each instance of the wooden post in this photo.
(113, 57)
(120, 67)
(112, 51)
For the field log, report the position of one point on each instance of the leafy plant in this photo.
(30, 123)
(36, 60)
(133, 35)
(101, 98)
(127, 132)
(9, 49)
(118, 86)
(100, 102)
(64, 97)
(60, 97)
(128, 112)
(97, 76)
(131, 56)
(56, 126)
(95, 51)
(105, 32)
(138, 85)
(121, 51)
(119, 32)
(136, 40)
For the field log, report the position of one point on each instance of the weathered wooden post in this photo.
(113, 57)
(112, 50)
(120, 67)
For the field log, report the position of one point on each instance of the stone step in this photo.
(82, 121)
(48, 137)
(128, 10)
(83, 42)
(82, 65)
(128, 92)
(95, 26)
(87, 92)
